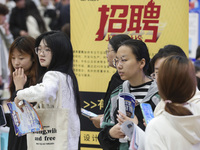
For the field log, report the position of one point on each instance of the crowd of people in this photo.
(37, 62)
(29, 18)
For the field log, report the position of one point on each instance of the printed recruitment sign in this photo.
(94, 22)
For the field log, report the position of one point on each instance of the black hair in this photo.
(198, 52)
(117, 40)
(140, 50)
(62, 57)
(3, 9)
(197, 65)
(168, 50)
(32, 10)
(16, 1)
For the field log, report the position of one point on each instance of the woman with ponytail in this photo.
(178, 125)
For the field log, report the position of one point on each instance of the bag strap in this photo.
(58, 103)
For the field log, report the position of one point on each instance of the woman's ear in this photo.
(142, 63)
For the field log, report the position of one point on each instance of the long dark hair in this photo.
(32, 10)
(177, 83)
(24, 44)
(62, 57)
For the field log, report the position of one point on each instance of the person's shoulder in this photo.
(157, 122)
(14, 10)
(153, 83)
(159, 108)
(195, 107)
(55, 73)
(40, 7)
(116, 79)
(196, 98)
(30, 18)
(116, 75)
(54, 76)
(117, 89)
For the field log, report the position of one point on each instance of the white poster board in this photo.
(193, 34)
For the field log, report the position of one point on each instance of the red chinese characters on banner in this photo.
(151, 15)
(135, 19)
(141, 19)
(122, 15)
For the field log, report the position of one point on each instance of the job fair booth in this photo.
(94, 22)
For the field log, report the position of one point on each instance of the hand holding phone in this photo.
(147, 112)
(88, 113)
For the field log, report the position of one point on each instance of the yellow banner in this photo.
(94, 22)
(89, 137)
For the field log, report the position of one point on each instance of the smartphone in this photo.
(147, 112)
(2, 117)
(88, 113)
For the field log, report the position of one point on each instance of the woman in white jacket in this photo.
(58, 85)
(177, 127)
(34, 22)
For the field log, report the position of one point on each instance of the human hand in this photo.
(116, 132)
(121, 118)
(96, 120)
(19, 78)
(23, 33)
(19, 103)
(144, 123)
(6, 27)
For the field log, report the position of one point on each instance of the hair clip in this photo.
(168, 101)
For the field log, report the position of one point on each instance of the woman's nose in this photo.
(16, 62)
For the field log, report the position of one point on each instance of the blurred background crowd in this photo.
(28, 17)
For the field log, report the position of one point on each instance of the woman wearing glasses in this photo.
(131, 61)
(58, 88)
(115, 81)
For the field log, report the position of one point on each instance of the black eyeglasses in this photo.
(117, 61)
(38, 50)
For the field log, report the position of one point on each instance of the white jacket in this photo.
(47, 92)
(161, 105)
(33, 27)
(169, 132)
(5, 42)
